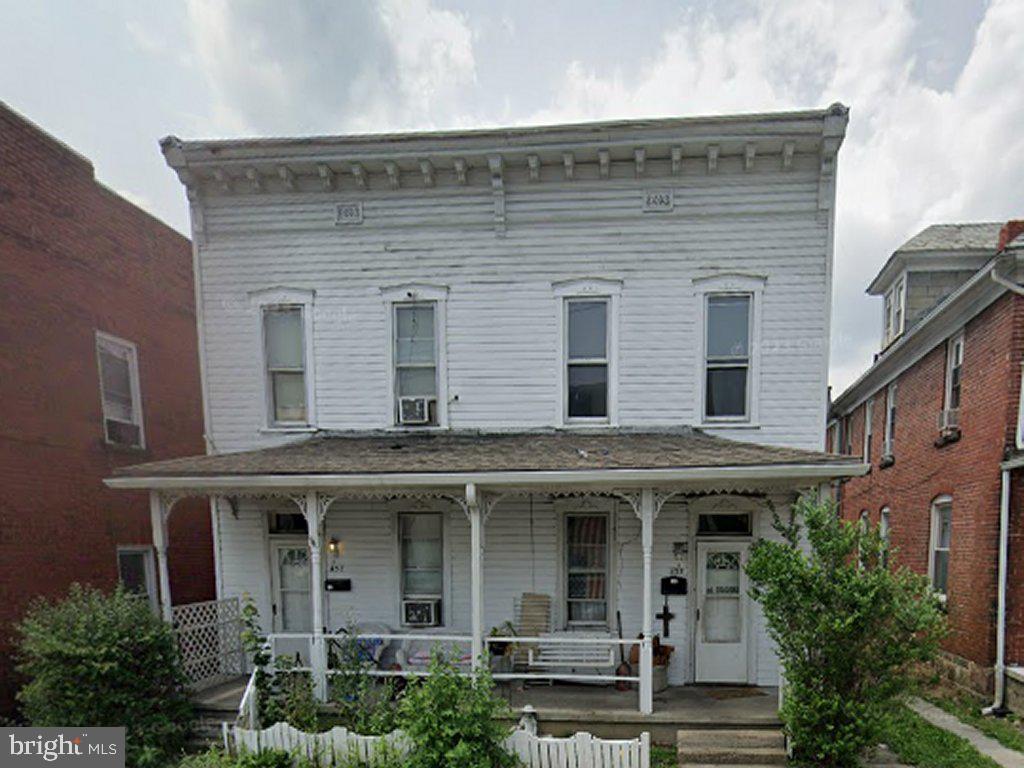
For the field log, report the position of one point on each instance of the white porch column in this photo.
(476, 536)
(159, 511)
(318, 656)
(647, 513)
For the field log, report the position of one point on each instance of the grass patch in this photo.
(1008, 731)
(663, 757)
(918, 742)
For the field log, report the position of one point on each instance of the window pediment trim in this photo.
(729, 281)
(587, 286)
(414, 292)
(281, 294)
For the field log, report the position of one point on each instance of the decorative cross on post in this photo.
(666, 616)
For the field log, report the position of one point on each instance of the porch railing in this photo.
(210, 640)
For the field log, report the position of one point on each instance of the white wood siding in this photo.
(502, 332)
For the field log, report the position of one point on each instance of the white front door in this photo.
(293, 610)
(723, 622)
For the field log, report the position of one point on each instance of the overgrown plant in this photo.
(848, 630)
(96, 659)
(452, 721)
(364, 705)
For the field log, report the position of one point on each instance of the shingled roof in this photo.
(975, 236)
(470, 452)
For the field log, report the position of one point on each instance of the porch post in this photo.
(646, 648)
(159, 511)
(318, 657)
(476, 573)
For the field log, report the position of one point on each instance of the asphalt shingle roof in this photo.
(395, 453)
(977, 236)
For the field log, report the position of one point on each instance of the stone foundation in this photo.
(958, 672)
(1015, 691)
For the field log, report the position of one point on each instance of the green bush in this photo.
(95, 659)
(364, 704)
(848, 631)
(451, 721)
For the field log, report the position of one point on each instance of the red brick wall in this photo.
(968, 470)
(76, 258)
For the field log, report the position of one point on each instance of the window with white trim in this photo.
(890, 422)
(415, 359)
(284, 356)
(954, 370)
(587, 358)
(727, 356)
(136, 572)
(421, 550)
(587, 556)
(885, 532)
(941, 541)
(848, 434)
(120, 394)
(894, 311)
(869, 408)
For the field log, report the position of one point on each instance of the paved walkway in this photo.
(1008, 758)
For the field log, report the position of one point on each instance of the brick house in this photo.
(99, 369)
(937, 418)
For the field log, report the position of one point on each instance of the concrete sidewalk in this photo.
(1008, 758)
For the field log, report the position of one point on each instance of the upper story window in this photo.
(586, 358)
(119, 391)
(954, 369)
(848, 435)
(941, 541)
(890, 422)
(286, 330)
(727, 356)
(869, 408)
(894, 311)
(885, 533)
(415, 357)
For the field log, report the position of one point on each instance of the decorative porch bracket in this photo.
(160, 507)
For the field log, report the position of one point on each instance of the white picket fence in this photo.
(331, 747)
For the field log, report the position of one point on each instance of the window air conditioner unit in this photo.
(414, 410)
(949, 420)
(421, 613)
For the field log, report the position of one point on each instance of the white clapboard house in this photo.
(511, 378)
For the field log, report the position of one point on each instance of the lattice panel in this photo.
(210, 640)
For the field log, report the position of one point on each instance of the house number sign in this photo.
(348, 213)
(658, 200)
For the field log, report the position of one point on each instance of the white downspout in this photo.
(998, 703)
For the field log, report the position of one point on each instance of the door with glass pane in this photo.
(586, 559)
(293, 611)
(722, 616)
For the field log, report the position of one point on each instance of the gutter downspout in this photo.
(998, 706)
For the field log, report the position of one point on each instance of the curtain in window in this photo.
(587, 565)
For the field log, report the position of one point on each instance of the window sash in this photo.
(954, 372)
(119, 400)
(279, 373)
(415, 375)
(740, 360)
(411, 561)
(942, 524)
(890, 420)
(580, 363)
(596, 576)
(868, 428)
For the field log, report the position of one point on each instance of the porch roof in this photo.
(434, 458)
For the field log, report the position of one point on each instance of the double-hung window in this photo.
(954, 369)
(587, 569)
(587, 358)
(848, 435)
(894, 311)
(869, 408)
(941, 539)
(136, 573)
(415, 357)
(421, 542)
(727, 356)
(286, 364)
(119, 391)
(885, 532)
(890, 421)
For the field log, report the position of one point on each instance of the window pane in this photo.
(283, 330)
(115, 373)
(422, 554)
(940, 580)
(728, 326)
(944, 521)
(132, 570)
(422, 582)
(588, 329)
(588, 611)
(414, 330)
(587, 586)
(722, 621)
(294, 568)
(588, 391)
(727, 392)
(289, 396)
(296, 612)
(417, 382)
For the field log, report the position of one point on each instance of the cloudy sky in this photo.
(935, 88)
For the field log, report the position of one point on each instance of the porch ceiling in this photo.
(450, 458)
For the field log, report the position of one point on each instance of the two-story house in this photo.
(937, 416)
(556, 376)
(98, 369)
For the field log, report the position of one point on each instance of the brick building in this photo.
(98, 369)
(937, 418)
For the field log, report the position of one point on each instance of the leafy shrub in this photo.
(94, 659)
(848, 631)
(451, 721)
(364, 705)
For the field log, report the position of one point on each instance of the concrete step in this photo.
(698, 738)
(731, 756)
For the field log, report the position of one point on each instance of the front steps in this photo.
(737, 747)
